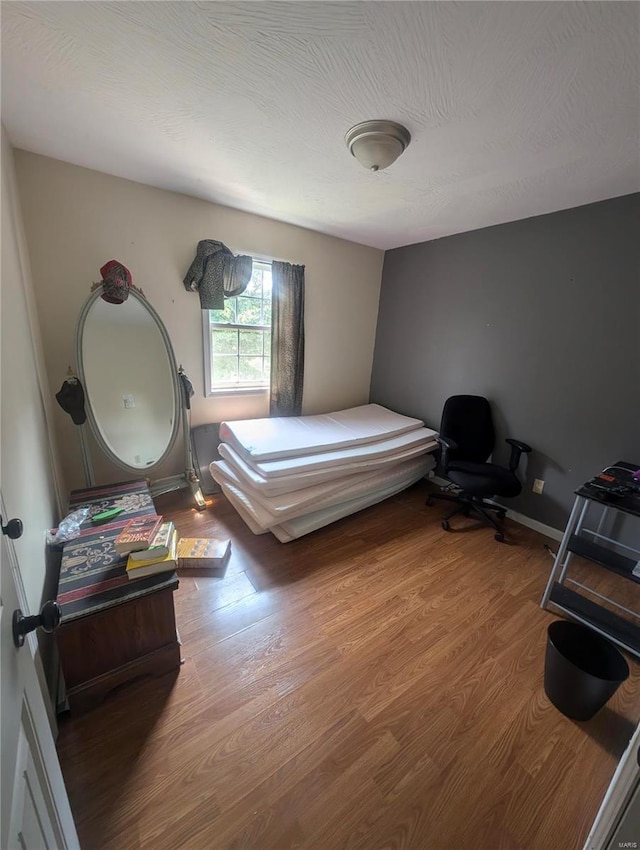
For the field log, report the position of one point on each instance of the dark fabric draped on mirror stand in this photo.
(287, 339)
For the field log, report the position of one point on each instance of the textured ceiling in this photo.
(515, 109)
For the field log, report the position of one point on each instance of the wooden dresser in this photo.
(113, 629)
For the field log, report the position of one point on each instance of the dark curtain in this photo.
(287, 339)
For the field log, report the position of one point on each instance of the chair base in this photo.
(468, 504)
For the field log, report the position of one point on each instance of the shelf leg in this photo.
(562, 562)
(576, 530)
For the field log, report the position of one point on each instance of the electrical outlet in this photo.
(128, 401)
(538, 485)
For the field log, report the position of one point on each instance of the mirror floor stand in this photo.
(176, 482)
(189, 477)
(161, 485)
(135, 396)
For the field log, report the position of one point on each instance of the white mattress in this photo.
(312, 469)
(312, 521)
(289, 436)
(270, 510)
(384, 447)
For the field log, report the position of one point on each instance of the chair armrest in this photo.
(517, 449)
(448, 445)
(523, 447)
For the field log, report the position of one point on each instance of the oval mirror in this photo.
(126, 364)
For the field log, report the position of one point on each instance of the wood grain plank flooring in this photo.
(377, 685)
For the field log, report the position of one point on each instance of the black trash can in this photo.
(582, 669)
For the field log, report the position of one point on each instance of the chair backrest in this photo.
(467, 420)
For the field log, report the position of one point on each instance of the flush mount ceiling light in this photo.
(377, 144)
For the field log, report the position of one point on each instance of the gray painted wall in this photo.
(541, 316)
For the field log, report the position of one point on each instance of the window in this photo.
(238, 338)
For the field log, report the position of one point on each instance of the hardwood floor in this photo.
(376, 684)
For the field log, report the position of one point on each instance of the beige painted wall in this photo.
(77, 219)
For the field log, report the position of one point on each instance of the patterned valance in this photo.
(216, 273)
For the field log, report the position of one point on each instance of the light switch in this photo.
(128, 400)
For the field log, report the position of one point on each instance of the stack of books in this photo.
(150, 545)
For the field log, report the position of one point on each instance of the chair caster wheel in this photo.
(445, 525)
(429, 501)
(499, 536)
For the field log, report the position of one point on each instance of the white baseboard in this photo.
(547, 530)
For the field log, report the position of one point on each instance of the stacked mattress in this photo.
(293, 475)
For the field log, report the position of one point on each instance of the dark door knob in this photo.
(48, 619)
(13, 528)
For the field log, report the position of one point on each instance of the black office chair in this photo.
(467, 438)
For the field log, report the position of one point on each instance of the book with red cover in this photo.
(138, 533)
(203, 552)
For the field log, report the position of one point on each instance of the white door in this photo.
(617, 824)
(35, 810)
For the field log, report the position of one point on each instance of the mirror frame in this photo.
(104, 447)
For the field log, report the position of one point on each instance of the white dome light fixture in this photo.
(377, 144)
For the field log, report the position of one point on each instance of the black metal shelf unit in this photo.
(595, 546)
